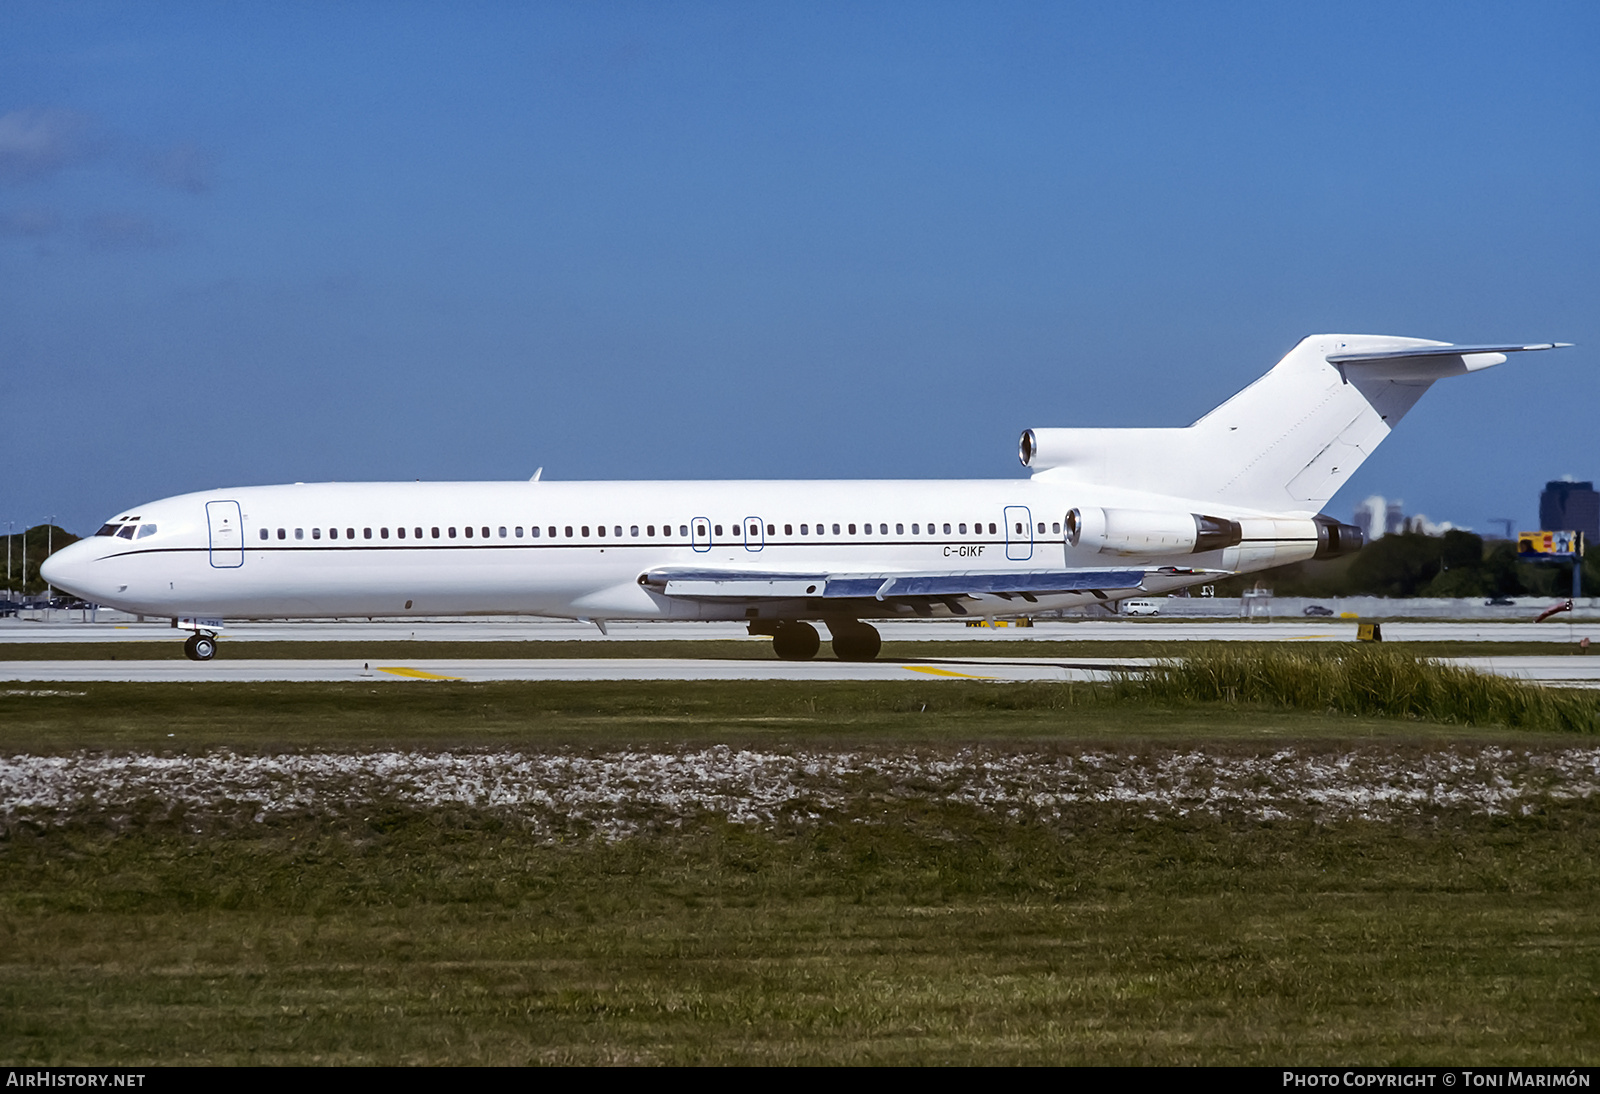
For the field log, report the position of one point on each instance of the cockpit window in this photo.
(146, 530)
(108, 530)
(126, 531)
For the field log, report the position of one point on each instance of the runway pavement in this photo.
(527, 630)
(598, 668)
(1560, 670)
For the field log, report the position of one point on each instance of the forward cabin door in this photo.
(1019, 533)
(227, 534)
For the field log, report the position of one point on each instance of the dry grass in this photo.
(1384, 681)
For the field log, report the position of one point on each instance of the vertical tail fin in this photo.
(1286, 443)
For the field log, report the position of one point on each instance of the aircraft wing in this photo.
(904, 588)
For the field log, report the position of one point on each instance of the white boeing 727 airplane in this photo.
(1107, 514)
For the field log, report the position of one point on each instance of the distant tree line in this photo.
(1455, 564)
(41, 541)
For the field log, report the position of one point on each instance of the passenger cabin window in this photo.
(519, 531)
(263, 533)
(503, 531)
(618, 530)
(1055, 526)
(601, 531)
(788, 529)
(947, 529)
(333, 533)
(534, 531)
(717, 529)
(349, 533)
(316, 533)
(485, 532)
(467, 531)
(417, 532)
(852, 529)
(299, 533)
(383, 533)
(683, 531)
(585, 530)
(899, 529)
(1041, 529)
(569, 531)
(836, 529)
(401, 532)
(366, 533)
(451, 532)
(633, 530)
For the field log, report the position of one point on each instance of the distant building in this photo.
(1568, 506)
(1394, 518)
(1369, 517)
(1378, 516)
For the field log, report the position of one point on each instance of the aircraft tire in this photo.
(856, 642)
(200, 647)
(796, 642)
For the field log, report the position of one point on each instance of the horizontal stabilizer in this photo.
(1441, 351)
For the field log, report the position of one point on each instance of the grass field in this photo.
(785, 872)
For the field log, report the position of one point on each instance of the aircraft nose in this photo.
(68, 570)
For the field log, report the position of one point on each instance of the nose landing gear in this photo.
(200, 647)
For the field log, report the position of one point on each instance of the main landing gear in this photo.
(200, 647)
(796, 641)
(854, 640)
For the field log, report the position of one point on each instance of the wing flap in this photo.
(733, 584)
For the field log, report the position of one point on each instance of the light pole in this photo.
(10, 528)
(49, 548)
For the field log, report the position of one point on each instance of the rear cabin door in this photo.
(1019, 533)
(227, 534)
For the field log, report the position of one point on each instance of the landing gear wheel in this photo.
(200, 647)
(855, 641)
(796, 642)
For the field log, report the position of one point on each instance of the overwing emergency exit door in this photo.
(1019, 533)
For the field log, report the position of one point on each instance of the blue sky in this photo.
(273, 242)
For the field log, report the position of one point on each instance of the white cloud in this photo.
(38, 140)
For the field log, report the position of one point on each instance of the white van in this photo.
(1141, 607)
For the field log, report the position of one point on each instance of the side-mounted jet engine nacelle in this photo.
(1149, 531)
(1335, 539)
